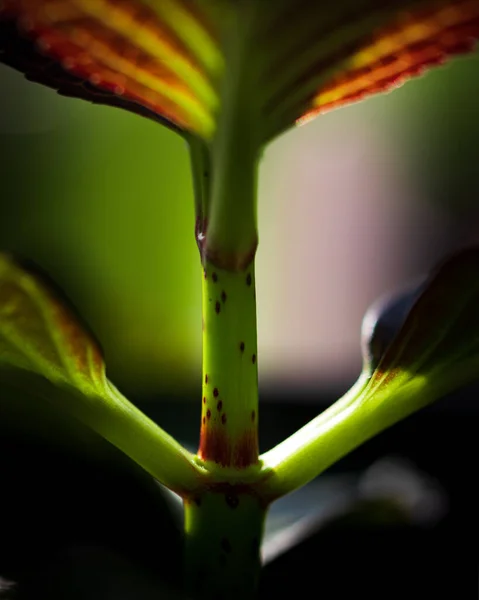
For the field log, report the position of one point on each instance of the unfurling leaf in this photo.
(43, 342)
(439, 339)
(382, 322)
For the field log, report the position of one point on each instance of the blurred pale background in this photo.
(351, 206)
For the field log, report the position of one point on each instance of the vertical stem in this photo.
(223, 530)
(229, 419)
(227, 238)
(230, 216)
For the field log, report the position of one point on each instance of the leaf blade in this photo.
(367, 48)
(125, 54)
(40, 336)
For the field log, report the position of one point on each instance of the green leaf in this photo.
(435, 351)
(41, 334)
(43, 342)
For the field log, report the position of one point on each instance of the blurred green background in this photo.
(350, 206)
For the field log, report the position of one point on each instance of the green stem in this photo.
(229, 219)
(225, 174)
(223, 530)
(229, 420)
(362, 413)
(224, 522)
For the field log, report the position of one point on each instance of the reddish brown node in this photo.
(206, 378)
(204, 399)
(245, 450)
(216, 393)
(216, 445)
(204, 420)
(208, 414)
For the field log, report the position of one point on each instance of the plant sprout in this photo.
(230, 76)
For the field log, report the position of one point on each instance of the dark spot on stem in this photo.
(216, 393)
(206, 378)
(253, 358)
(223, 296)
(205, 275)
(204, 399)
(248, 279)
(217, 308)
(253, 415)
(232, 500)
(223, 418)
(219, 406)
(204, 420)
(226, 545)
(215, 277)
(208, 414)
(241, 346)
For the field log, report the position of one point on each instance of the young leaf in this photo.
(434, 352)
(41, 340)
(439, 340)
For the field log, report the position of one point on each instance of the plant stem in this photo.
(228, 218)
(229, 419)
(224, 522)
(225, 176)
(352, 420)
(223, 530)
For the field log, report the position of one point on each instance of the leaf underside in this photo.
(164, 60)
